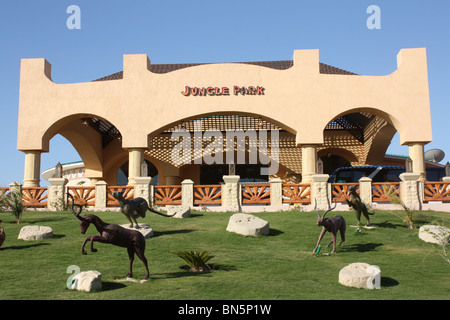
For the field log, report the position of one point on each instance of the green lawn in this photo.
(278, 266)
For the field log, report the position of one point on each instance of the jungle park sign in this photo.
(223, 91)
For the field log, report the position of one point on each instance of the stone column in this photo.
(410, 190)
(15, 187)
(447, 176)
(320, 191)
(187, 191)
(135, 158)
(56, 193)
(365, 190)
(276, 192)
(231, 192)
(309, 160)
(416, 153)
(144, 189)
(32, 169)
(100, 194)
(446, 179)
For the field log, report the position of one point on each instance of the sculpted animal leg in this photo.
(84, 243)
(333, 241)
(131, 256)
(140, 254)
(129, 219)
(142, 209)
(342, 230)
(136, 225)
(97, 238)
(358, 216)
(320, 238)
(367, 217)
(91, 239)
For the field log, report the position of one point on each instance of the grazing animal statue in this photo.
(355, 201)
(134, 208)
(332, 225)
(133, 240)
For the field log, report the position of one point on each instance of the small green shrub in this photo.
(13, 202)
(196, 261)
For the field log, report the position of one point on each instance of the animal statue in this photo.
(332, 225)
(134, 208)
(355, 201)
(116, 235)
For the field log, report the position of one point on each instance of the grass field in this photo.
(278, 266)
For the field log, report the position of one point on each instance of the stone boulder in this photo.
(360, 275)
(87, 281)
(247, 225)
(29, 233)
(145, 229)
(179, 212)
(434, 234)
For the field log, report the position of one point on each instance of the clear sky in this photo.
(213, 31)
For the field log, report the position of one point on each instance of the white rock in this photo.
(179, 211)
(35, 233)
(145, 229)
(247, 225)
(360, 275)
(87, 281)
(434, 234)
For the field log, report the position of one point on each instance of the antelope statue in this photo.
(332, 225)
(114, 234)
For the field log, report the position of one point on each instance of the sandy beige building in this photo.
(318, 111)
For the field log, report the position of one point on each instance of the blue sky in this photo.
(213, 31)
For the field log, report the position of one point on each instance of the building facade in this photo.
(146, 118)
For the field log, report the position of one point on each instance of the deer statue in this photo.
(133, 240)
(332, 225)
(134, 208)
(355, 201)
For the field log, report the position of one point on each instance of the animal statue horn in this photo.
(332, 225)
(323, 215)
(79, 207)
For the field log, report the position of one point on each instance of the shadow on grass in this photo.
(187, 273)
(169, 232)
(25, 246)
(196, 214)
(108, 286)
(387, 224)
(38, 220)
(275, 232)
(361, 247)
(388, 282)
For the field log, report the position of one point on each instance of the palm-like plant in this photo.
(196, 261)
(13, 202)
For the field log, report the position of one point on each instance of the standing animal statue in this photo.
(332, 225)
(134, 208)
(133, 240)
(355, 201)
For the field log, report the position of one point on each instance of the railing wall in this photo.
(232, 193)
